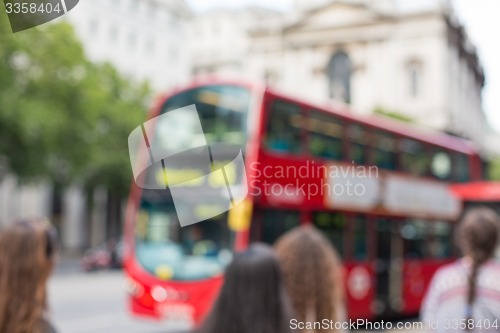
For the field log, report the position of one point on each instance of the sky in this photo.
(480, 17)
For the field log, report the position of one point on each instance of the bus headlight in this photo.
(159, 294)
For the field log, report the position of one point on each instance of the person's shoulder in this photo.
(447, 273)
(493, 264)
(450, 268)
(491, 272)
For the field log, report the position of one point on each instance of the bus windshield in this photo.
(222, 110)
(172, 252)
(201, 250)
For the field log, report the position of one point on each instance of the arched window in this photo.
(414, 77)
(339, 75)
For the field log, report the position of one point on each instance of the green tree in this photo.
(392, 114)
(494, 169)
(62, 117)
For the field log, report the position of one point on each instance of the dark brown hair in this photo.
(477, 238)
(312, 274)
(253, 298)
(26, 261)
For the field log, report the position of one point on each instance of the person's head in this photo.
(312, 273)
(478, 234)
(26, 260)
(252, 299)
(478, 239)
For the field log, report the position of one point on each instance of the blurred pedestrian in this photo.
(27, 250)
(253, 298)
(313, 277)
(465, 295)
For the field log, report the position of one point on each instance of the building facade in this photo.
(400, 56)
(144, 39)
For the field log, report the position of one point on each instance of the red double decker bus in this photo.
(377, 189)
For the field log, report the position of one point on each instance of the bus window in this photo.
(440, 166)
(325, 136)
(332, 225)
(360, 238)
(440, 246)
(273, 224)
(222, 110)
(284, 128)
(414, 236)
(357, 148)
(413, 157)
(385, 153)
(461, 164)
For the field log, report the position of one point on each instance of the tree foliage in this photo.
(63, 117)
(392, 114)
(494, 169)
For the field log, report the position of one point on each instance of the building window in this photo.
(113, 34)
(132, 40)
(339, 76)
(149, 45)
(414, 73)
(151, 11)
(93, 27)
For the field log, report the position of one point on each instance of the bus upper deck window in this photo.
(413, 157)
(357, 149)
(325, 136)
(385, 153)
(284, 128)
(441, 165)
(461, 163)
(222, 110)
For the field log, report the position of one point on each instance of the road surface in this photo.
(95, 302)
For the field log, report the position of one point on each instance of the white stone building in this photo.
(219, 40)
(144, 39)
(404, 56)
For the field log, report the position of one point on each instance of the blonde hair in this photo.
(26, 261)
(311, 269)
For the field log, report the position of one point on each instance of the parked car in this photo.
(108, 255)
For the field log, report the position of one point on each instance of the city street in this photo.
(329, 150)
(95, 302)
